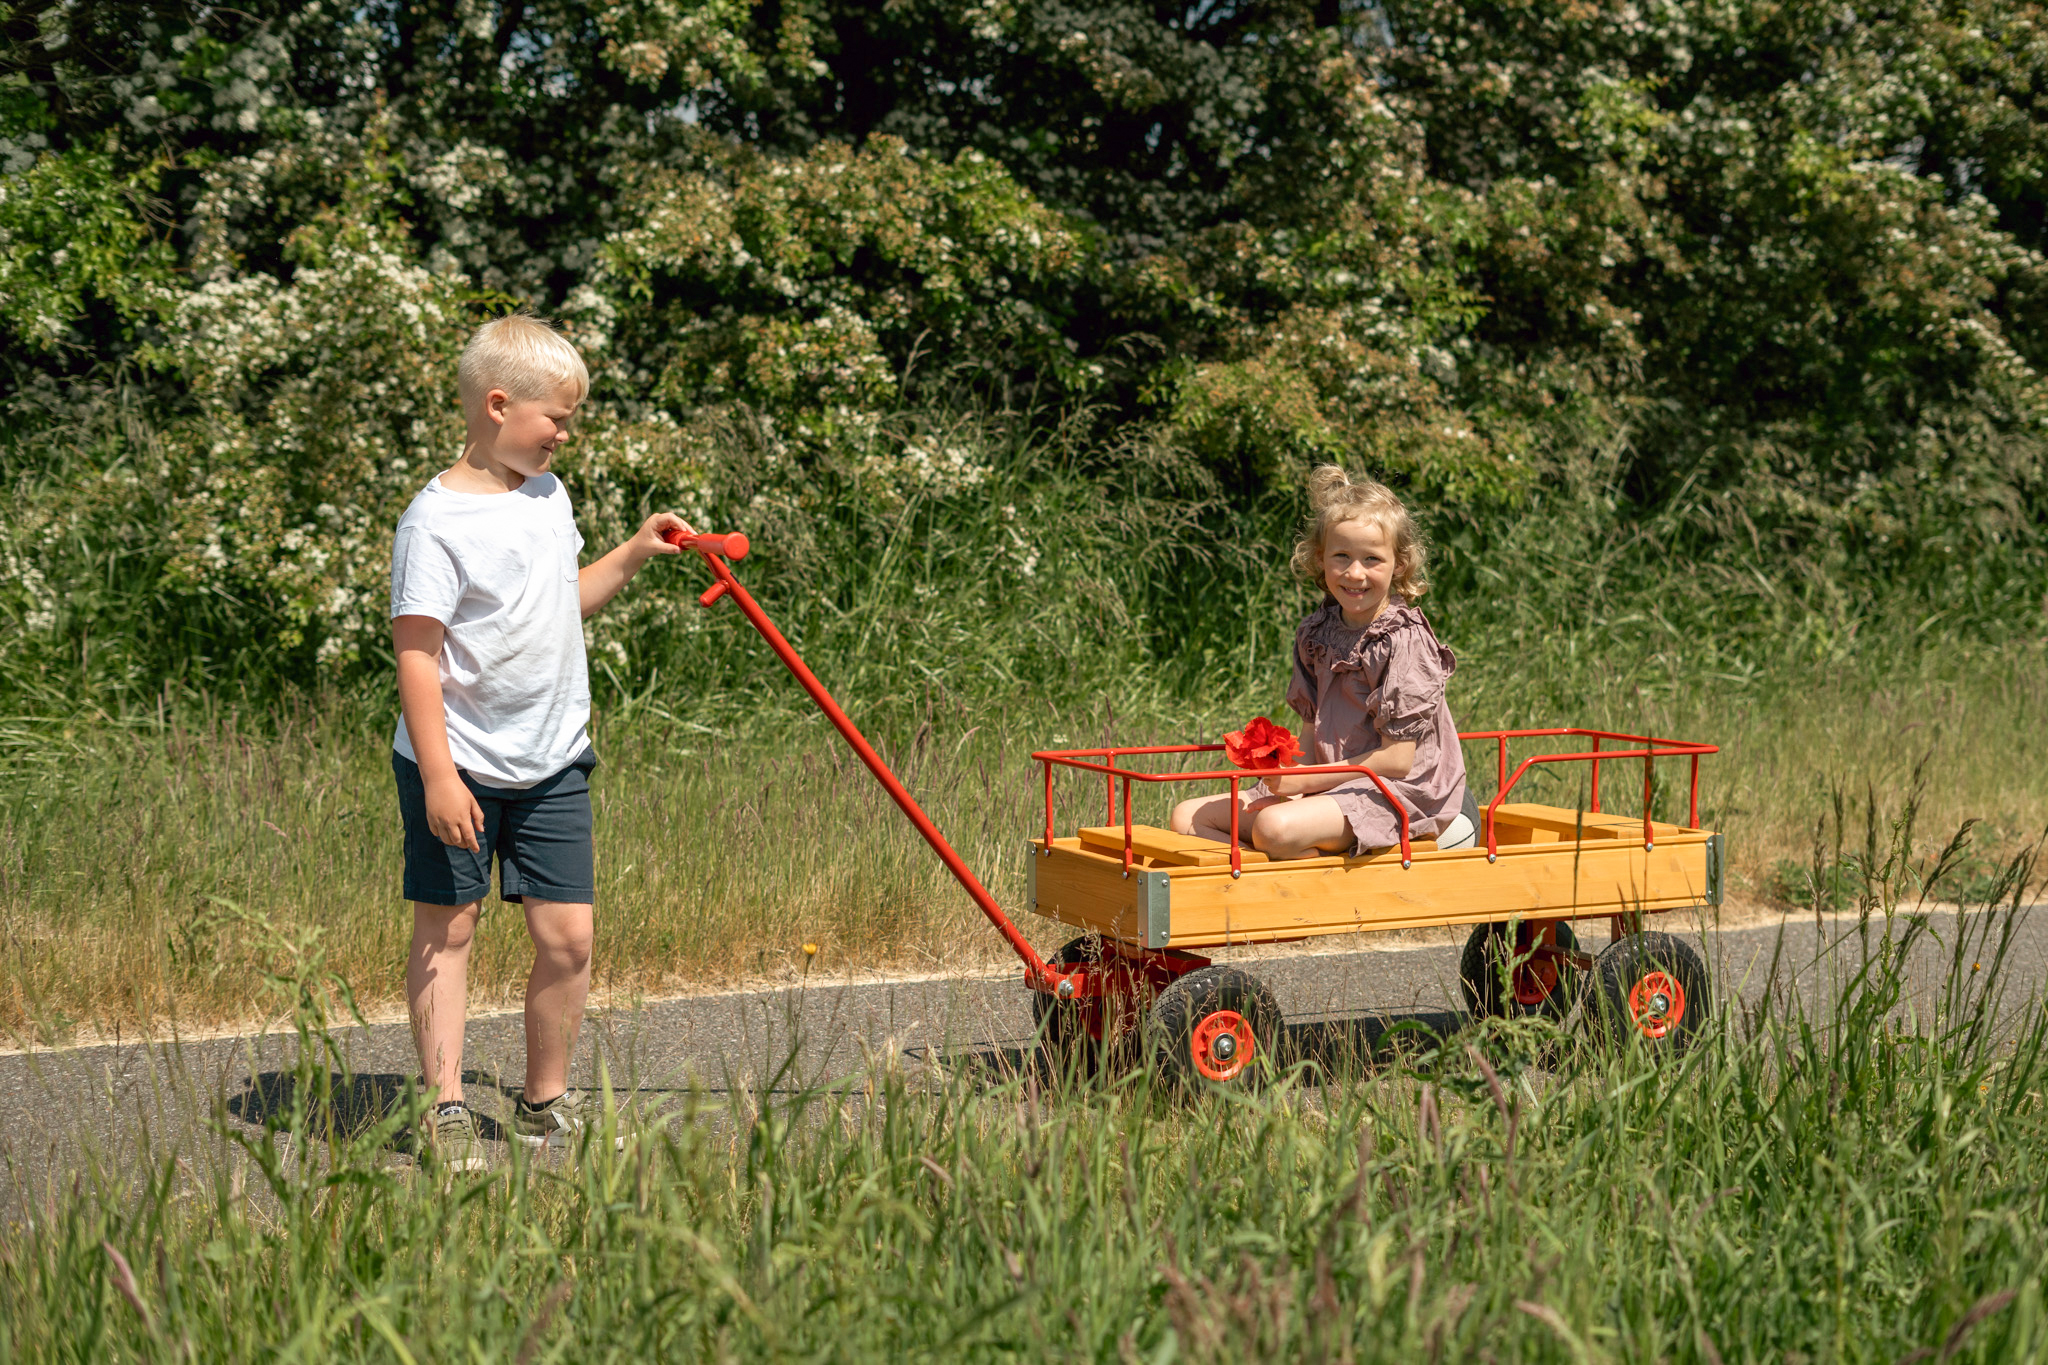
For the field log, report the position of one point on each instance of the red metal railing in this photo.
(1650, 751)
(1073, 758)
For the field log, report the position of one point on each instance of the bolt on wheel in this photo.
(1223, 1046)
(1215, 1026)
(1654, 987)
(1656, 1004)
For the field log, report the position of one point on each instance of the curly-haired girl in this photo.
(1369, 679)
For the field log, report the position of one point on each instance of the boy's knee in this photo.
(573, 950)
(565, 933)
(444, 928)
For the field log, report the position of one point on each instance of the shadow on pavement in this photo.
(359, 1101)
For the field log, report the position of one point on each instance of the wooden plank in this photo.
(1088, 891)
(1564, 823)
(1290, 900)
(1455, 888)
(1163, 845)
(1415, 846)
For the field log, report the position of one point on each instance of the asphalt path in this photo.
(106, 1107)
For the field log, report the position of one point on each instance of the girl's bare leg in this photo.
(436, 987)
(1300, 829)
(1208, 817)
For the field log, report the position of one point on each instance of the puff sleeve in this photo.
(1301, 690)
(1412, 689)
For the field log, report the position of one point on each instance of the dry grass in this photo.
(718, 858)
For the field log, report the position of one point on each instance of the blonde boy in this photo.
(492, 753)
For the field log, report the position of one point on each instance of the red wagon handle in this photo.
(733, 546)
(1036, 973)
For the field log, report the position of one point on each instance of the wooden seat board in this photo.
(1164, 846)
(1565, 823)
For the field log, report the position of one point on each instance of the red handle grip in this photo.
(733, 547)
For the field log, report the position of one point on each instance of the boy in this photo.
(492, 753)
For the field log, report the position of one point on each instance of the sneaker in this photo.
(452, 1140)
(558, 1123)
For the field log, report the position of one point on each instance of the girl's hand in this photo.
(647, 541)
(1289, 786)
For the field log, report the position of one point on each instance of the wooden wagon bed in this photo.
(1552, 863)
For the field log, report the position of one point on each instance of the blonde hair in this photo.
(522, 355)
(1334, 497)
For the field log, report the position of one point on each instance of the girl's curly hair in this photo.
(1335, 496)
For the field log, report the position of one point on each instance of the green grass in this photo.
(732, 829)
(1864, 1183)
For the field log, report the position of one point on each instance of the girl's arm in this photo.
(1391, 761)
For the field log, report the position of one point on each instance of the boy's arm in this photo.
(452, 813)
(1394, 762)
(598, 583)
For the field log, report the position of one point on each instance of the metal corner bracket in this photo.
(1155, 908)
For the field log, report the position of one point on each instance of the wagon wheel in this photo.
(1654, 987)
(1217, 1026)
(1536, 984)
(1075, 1031)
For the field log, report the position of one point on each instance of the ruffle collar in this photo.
(1320, 632)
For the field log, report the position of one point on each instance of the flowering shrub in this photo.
(837, 267)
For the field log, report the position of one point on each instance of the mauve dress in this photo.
(1363, 688)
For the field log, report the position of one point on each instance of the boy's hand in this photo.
(453, 814)
(647, 541)
(600, 582)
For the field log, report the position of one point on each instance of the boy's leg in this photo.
(437, 989)
(446, 886)
(555, 992)
(545, 862)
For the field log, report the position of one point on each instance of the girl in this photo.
(1369, 679)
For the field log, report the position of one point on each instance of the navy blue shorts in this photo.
(540, 835)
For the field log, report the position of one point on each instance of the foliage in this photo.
(1776, 270)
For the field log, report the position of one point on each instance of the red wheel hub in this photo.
(1656, 1003)
(1222, 1046)
(1535, 975)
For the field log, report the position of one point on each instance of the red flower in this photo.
(1262, 744)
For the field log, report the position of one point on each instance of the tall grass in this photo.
(727, 840)
(1857, 1179)
(148, 772)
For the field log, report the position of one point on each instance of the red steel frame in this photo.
(1652, 749)
(1156, 967)
(1037, 974)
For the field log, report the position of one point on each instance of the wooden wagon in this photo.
(1147, 898)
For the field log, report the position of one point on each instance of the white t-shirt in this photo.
(499, 571)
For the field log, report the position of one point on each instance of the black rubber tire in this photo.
(1182, 1007)
(1630, 962)
(1479, 972)
(1063, 1025)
